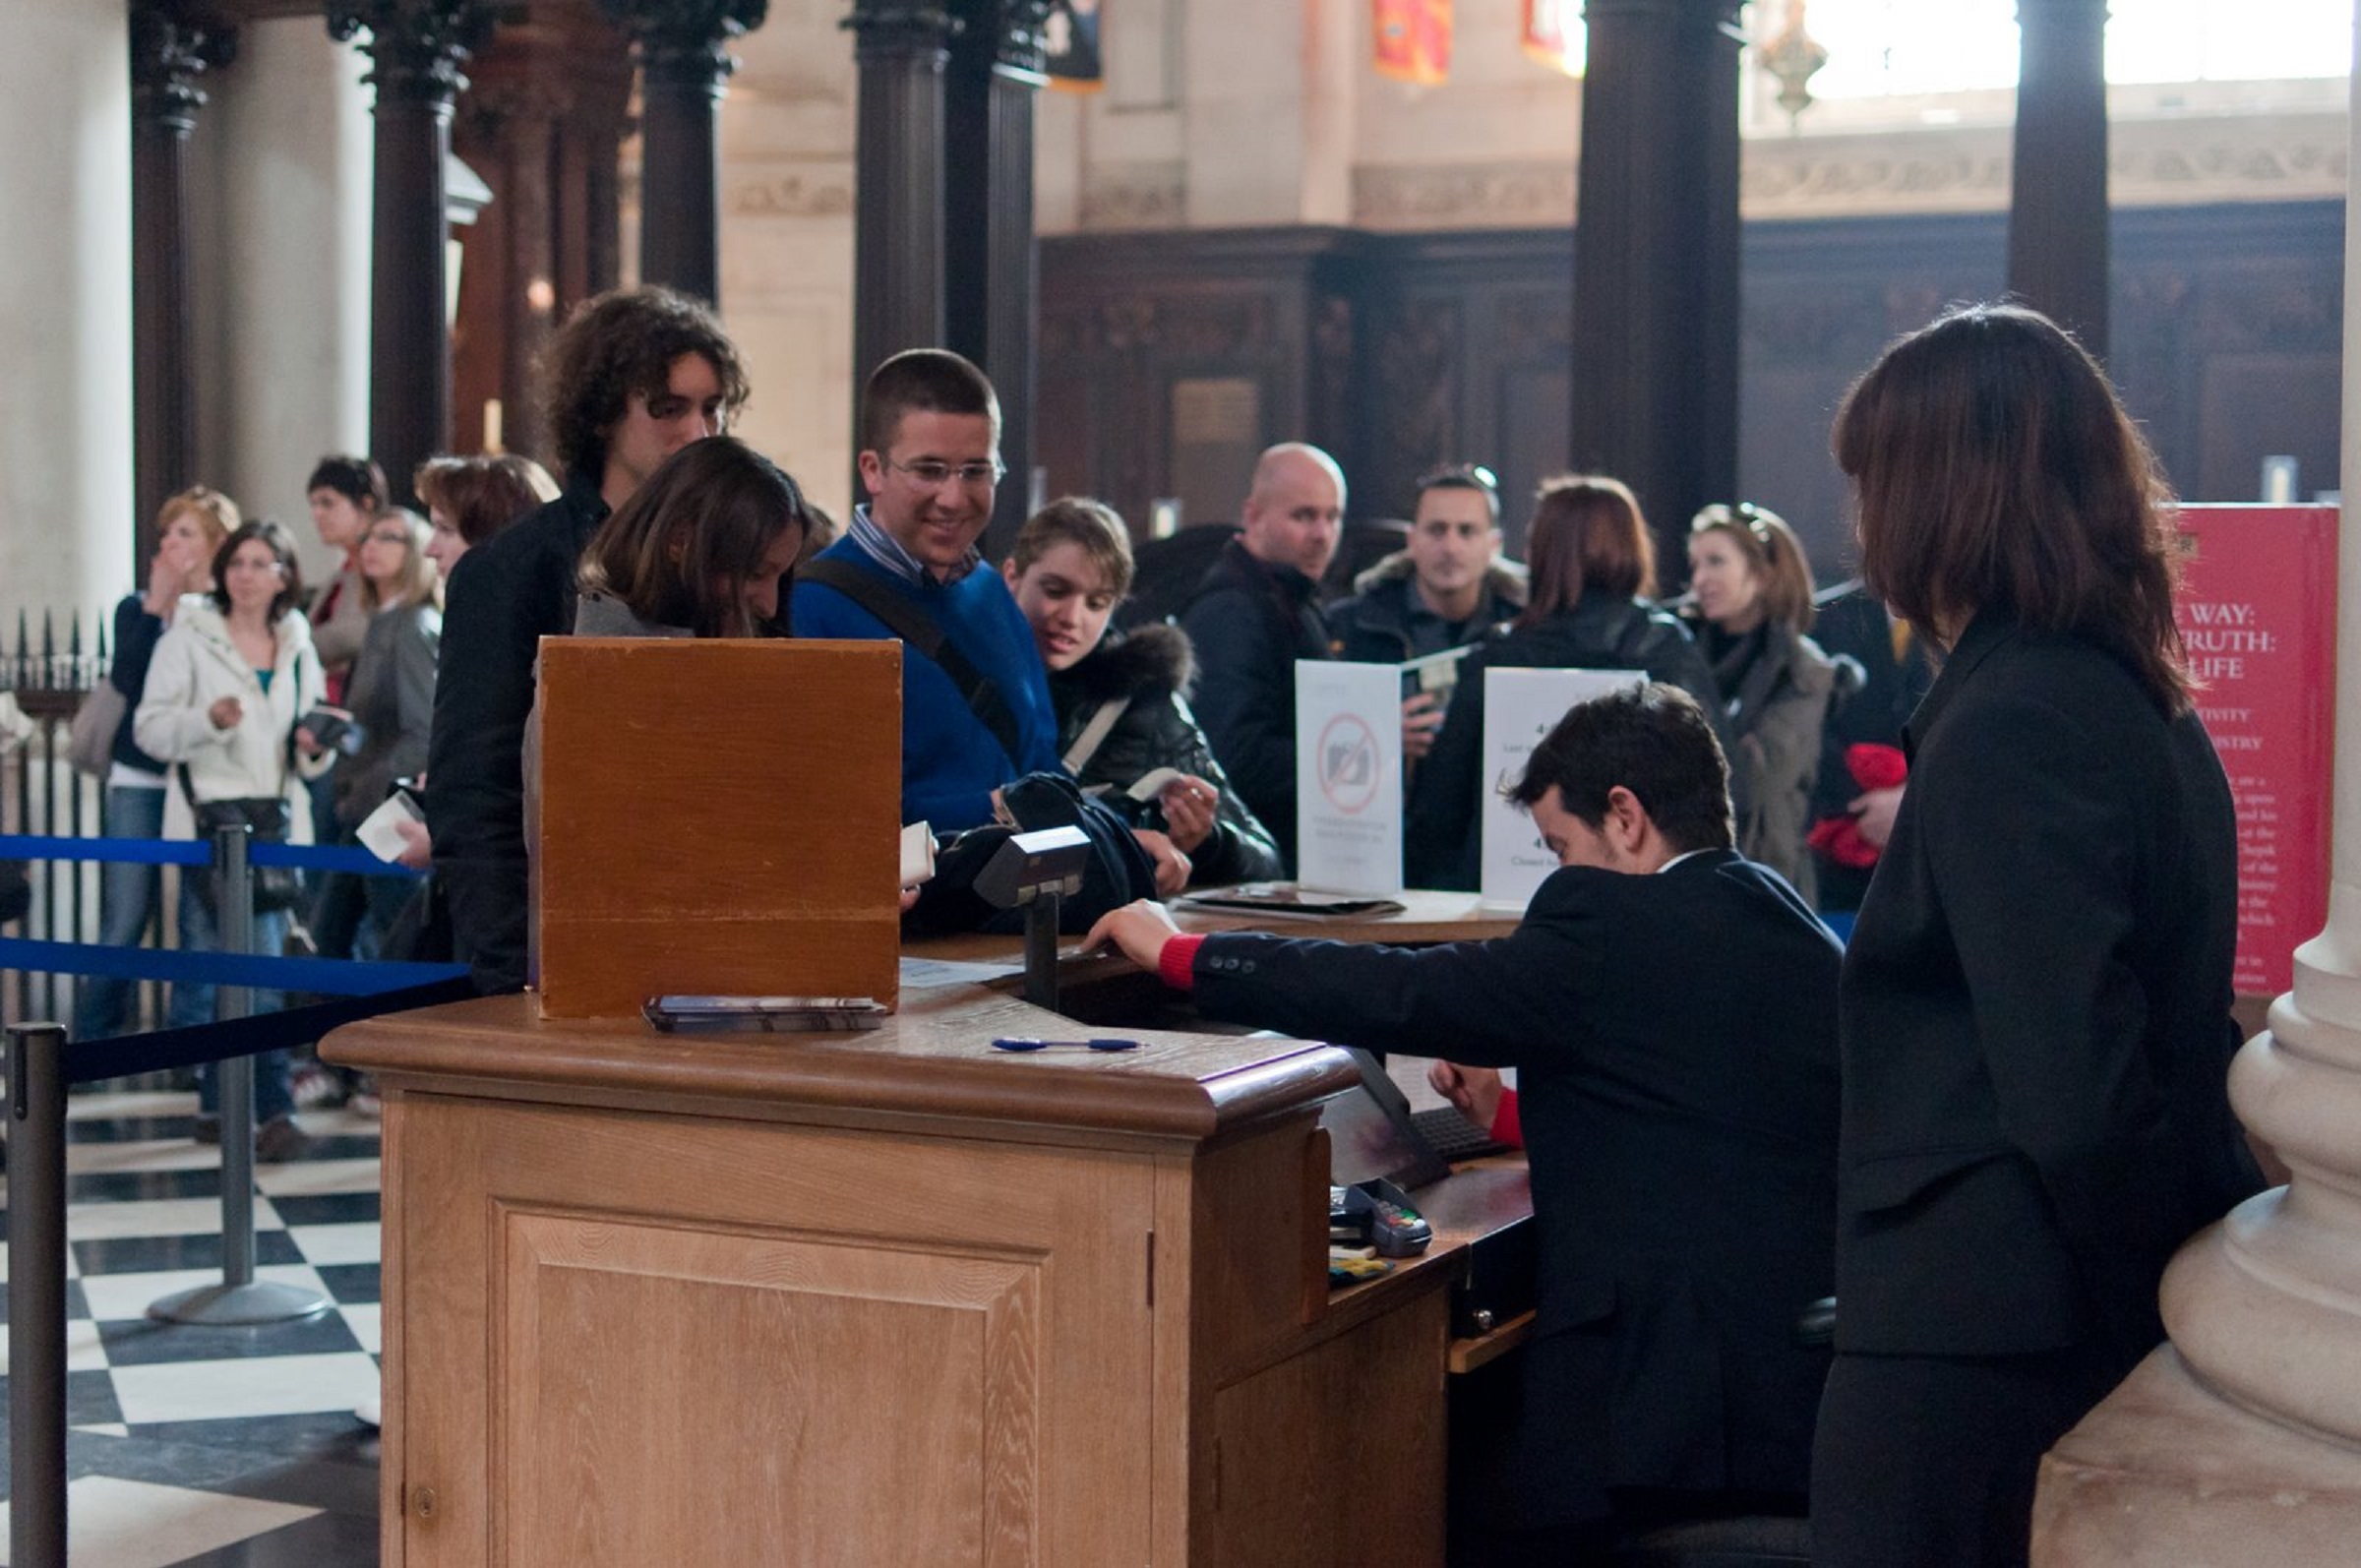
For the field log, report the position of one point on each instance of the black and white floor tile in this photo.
(211, 1447)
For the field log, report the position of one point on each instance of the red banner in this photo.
(1414, 40)
(2257, 614)
(1554, 35)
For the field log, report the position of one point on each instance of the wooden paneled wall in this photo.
(1169, 359)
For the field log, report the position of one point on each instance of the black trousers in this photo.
(1931, 1461)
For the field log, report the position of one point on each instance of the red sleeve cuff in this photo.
(1508, 1124)
(1177, 961)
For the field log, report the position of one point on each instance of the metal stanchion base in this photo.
(235, 1306)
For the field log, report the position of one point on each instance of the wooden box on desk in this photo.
(716, 816)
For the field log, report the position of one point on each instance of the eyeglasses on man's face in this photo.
(932, 473)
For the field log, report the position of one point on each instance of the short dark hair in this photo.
(1587, 533)
(358, 480)
(1462, 476)
(677, 552)
(282, 546)
(618, 344)
(1653, 740)
(483, 495)
(1994, 469)
(932, 381)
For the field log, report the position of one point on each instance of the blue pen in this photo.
(1034, 1043)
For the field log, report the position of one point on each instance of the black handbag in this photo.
(275, 888)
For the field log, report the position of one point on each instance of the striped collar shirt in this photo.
(888, 551)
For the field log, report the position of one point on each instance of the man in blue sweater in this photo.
(976, 709)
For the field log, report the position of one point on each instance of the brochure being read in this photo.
(1520, 707)
(1348, 777)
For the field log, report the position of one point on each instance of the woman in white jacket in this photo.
(224, 690)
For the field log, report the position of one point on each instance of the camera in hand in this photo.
(333, 728)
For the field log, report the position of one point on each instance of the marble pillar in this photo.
(173, 44)
(683, 60)
(67, 515)
(2058, 193)
(2239, 1443)
(278, 269)
(416, 50)
(1654, 372)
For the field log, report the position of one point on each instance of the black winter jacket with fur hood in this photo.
(1150, 670)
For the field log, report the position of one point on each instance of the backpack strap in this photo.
(907, 622)
(1094, 733)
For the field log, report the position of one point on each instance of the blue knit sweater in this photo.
(951, 761)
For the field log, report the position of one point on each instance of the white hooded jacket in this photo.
(196, 665)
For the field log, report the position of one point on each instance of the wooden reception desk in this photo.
(892, 1297)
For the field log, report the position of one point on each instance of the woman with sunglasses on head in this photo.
(1750, 592)
(2036, 1003)
(1592, 572)
(225, 688)
(1121, 698)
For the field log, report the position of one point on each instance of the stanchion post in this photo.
(36, 1293)
(240, 1299)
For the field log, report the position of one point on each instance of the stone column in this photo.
(416, 48)
(898, 235)
(542, 122)
(684, 61)
(2058, 212)
(65, 293)
(2239, 1443)
(991, 307)
(172, 44)
(1656, 258)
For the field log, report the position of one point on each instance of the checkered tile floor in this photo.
(216, 1446)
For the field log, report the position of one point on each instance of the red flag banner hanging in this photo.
(1414, 40)
(1554, 34)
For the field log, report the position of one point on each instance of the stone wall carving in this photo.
(1464, 195)
(1121, 196)
(790, 188)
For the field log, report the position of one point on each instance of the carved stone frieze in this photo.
(816, 189)
(1123, 196)
(1464, 195)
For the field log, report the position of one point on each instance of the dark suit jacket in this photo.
(1251, 622)
(1682, 1139)
(2036, 1014)
(506, 595)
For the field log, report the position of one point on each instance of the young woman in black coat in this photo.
(1593, 574)
(1122, 701)
(2035, 1005)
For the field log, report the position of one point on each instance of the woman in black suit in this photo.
(2036, 1002)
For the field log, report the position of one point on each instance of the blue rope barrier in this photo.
(91, 1061)
(327, 976)
(188, 852)
(119, 851)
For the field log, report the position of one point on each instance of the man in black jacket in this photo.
(1254, 616)
(634, 376)
(1671, 1010)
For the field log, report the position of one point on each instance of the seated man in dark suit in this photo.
(1671, 1010)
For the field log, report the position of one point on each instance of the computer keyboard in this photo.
(1452, 1135)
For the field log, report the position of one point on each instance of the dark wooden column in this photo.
(172, 44)
(415, 48)
(898, 166)
(1656, 258)
(542, 121)
(2058, 195)
(992, 299)
(683, 60)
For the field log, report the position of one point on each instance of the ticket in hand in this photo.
(918, 854)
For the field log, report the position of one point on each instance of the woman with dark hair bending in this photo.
(703, 550)
(2037, 1001)
(1750, 592)
(1593, 573)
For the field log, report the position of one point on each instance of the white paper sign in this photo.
(1520, 707)
(1349, 777)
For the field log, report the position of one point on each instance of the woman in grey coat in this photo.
(1751, 601)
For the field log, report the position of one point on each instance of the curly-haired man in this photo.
(633, 377)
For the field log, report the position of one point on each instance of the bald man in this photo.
(1255, 615)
